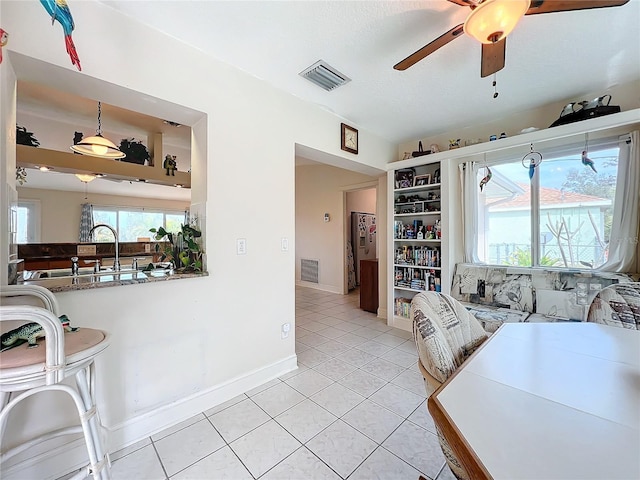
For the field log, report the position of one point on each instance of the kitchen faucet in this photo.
(116, 262)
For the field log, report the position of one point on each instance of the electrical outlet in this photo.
(241, 246)
(285, 329)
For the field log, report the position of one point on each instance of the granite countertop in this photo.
(109, 279)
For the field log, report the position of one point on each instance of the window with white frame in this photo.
(133, 223)
(28, 221)
(561, 216)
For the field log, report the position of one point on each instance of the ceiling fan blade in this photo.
(493, 55)
(428, 49)
(550, 6)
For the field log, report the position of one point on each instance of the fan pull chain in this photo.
(495, 90)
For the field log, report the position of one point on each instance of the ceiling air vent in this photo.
(324, 75)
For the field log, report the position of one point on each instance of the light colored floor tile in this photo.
(351, 340)
(422, 418)
(181, 449)
(312, 357)
(412, 381)
(309, 382)
(383, 369)
(337, 399)
(335, 369)
(227, 404)
(263, 387)
(301, 368)
(390, 340)
(130, 449)
(333, 348)
(409, 346)
(374, 421)
(332, 332)
(277, 399)
(305, 420)
(362, 382)
(301, 465)
(220, 465)
(356, 357)
(446, 474)
(142, 464)
(401, 358)
(401, 333)
(264, 447)
(316, 326)
(383, 465)
(381, 326)
(330, 321)
(341, 447)
(238, 420)
(374, 348)
(313, 339)
(178, 426)
(301, 347)
(418, 447)
(347, 326)
(397, 399)
(367, 332)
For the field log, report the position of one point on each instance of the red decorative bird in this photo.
(486, 178)
(4, 38)
(59, 10)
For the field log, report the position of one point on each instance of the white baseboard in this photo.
(56, 460)
(319, 286)
(401, 323)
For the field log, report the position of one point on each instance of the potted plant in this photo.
(182, 248)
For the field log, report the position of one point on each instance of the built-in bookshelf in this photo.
(416, 254)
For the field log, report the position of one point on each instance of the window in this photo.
(562, 217)
(28, 221)
(132, 223)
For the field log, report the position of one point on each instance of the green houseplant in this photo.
(181, 248)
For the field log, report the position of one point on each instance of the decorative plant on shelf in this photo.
(23, 137)
(135, 152)
(182, 248)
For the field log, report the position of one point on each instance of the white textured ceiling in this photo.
(550, 58)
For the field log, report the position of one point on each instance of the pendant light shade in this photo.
(493, 20)
(85, 177)
(98, 146)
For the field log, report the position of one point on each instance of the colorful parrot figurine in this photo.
(486, 178)
(59, 10)
(4, 38)
(532, 169)
(587, 161)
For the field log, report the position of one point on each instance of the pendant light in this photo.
(98, 146)
(85, 177)
(493, 20)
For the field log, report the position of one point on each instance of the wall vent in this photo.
(309, 270)
(324, 75)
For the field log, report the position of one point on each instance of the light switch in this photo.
(284, 244)
(241, 246)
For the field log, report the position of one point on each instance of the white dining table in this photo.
(546, 401)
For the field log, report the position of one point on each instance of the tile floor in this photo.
(354, 409)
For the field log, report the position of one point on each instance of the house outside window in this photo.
(560, 218)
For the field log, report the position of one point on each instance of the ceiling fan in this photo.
(490, 21)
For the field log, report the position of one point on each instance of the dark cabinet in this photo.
(369, 285)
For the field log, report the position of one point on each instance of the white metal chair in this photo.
(446, 333)
(28, 371)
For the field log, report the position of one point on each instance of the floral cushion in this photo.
(445, 333)
(617, 305)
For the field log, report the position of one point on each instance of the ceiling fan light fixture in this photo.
(98, 146)
(493, 20)
(85, 177)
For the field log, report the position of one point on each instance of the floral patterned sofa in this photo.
(496, 294)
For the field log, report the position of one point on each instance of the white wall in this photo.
(627, 96)
(180, 347)
(60, 211)
(322, 189)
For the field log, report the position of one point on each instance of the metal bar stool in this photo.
(28, 371)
